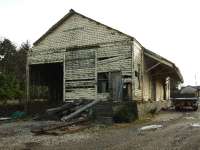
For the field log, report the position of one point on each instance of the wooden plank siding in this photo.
(114, 58)
(83, 80)
(137, 50)
(80, 74)
(78, 31)
(42, 58)
(80, 93)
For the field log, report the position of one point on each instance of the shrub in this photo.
(9, 88)
(125, 113)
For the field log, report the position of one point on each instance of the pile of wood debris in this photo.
(60, 128)
(74, 116)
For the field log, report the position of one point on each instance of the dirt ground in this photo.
(177, 131)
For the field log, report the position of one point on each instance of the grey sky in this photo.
(170, 28)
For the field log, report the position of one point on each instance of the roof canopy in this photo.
(172, 70)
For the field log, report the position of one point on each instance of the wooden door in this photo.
(116, 86)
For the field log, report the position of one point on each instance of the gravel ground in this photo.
(177, 131)
(17, 135)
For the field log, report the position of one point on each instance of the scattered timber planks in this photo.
(58, 112)
(76, 115)
(77, 112)
(69, 129)
(43, 129)
(67, 106)
(53, 111)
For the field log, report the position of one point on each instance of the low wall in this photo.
(151, 107)
(127, 111)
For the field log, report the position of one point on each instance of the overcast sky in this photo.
(170, 28)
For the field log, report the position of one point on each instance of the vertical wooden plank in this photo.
(64, 77)
(96, 79)
(132, 70)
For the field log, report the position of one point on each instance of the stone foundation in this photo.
(151, 107)
(106, 111)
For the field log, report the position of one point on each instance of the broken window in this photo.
(102, 86)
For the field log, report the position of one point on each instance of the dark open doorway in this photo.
(46, 83)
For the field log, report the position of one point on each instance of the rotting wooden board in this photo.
(80, 93)
(69, 130)
(43, 129)
(52, 111)
(72, 115)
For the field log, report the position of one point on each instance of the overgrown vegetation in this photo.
(10, 88)
(12, 70)
(125, 113)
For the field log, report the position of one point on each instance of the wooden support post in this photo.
(132, 71)
(142, 72)
(110, 86)
(64, 78)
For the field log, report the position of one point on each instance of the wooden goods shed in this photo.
(80, 58)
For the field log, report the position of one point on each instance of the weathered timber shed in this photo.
(80, 58)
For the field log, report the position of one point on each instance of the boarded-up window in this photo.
(80, 59)
(102, 82)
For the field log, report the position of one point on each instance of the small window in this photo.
(102, 86)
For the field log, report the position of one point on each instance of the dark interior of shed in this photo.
(46, 83)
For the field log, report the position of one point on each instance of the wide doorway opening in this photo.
(46, 83)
